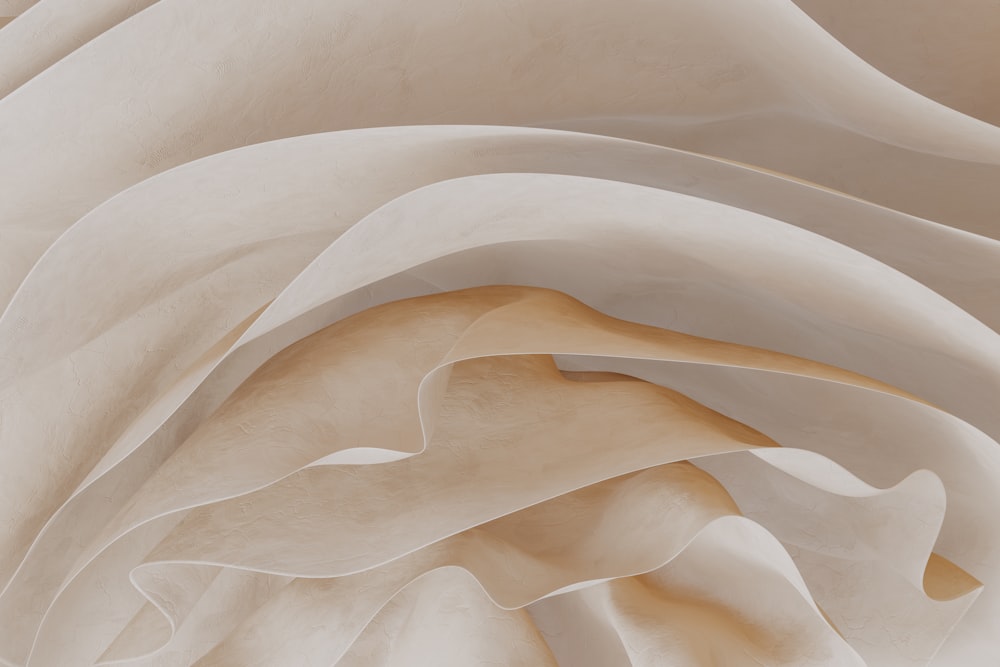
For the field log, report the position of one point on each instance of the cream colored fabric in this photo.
(566, 332)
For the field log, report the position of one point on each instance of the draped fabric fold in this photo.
(568, 332)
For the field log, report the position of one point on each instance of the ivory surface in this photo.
(589, 333)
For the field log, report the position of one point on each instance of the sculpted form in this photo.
(562, 332)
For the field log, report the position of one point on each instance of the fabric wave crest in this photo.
(568, 332)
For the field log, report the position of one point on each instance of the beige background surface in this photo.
(568, 332)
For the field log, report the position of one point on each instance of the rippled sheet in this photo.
(589, 333)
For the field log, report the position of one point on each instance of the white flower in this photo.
(484, 332)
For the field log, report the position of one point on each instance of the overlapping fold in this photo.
(623, 333)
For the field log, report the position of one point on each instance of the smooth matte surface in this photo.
(566, 332)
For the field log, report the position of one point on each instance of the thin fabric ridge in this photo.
(491, 332)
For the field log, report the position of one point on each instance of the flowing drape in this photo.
(499, 332)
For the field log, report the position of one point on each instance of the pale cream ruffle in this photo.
(567, 332)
